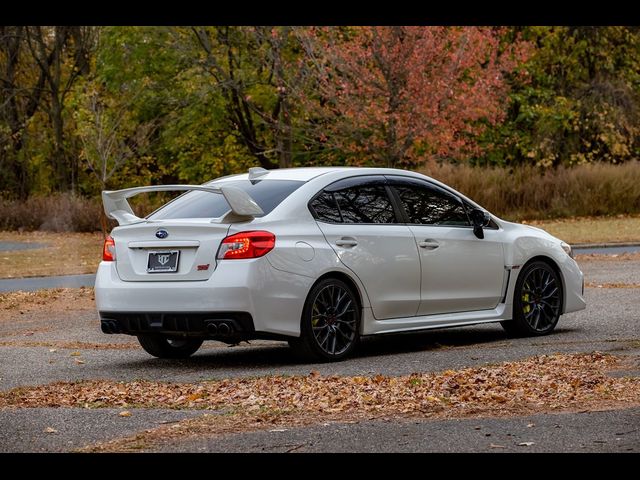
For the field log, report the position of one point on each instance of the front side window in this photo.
(365, 204)
(429, 205)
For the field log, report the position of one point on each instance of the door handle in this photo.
(428, 244)
(346, 242)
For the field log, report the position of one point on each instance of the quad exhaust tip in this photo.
(109, 326)
(219, 328)
(224, 328)
(212, 328)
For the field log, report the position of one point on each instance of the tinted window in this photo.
(429, 205)
(266, 193)
(365, 204)
(326, 208)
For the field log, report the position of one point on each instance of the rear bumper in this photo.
(272, 299)
(203, 324)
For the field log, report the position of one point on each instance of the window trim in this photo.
(437, 188)
(401, 215)
(375, 179)
(467, 206)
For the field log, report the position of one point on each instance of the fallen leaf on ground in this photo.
(53, 350)
(493, 445)
(126, 413)
(74, 354)
(526, 444)
(544, 383)
(529, 425)
(50, 430)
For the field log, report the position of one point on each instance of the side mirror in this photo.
(479, 219)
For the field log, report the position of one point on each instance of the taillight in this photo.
(109, 249)
(246, 245)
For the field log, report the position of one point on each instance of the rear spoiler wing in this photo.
(117, 206)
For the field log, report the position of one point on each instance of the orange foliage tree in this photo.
(403, 95)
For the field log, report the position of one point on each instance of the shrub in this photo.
(512, 193)
(531, 193)
(55, 213)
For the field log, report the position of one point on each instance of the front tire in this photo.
(162, 346)
(330, 322)
(537, 301)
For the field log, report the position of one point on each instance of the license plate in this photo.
(163, 262)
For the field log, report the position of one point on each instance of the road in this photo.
(609, 324)
(31, 284)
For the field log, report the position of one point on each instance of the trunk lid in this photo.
(196, 240)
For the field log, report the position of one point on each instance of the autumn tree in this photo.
(400, 95)
(21, 87)
(259, 72)
(580, 102)
(62, 55)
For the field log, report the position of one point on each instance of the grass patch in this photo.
(593, 229)
(66, 254)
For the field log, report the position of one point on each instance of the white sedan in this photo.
(322, 257)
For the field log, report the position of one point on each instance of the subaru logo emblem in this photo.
(162, 234)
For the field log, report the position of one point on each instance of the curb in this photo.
(605, 245)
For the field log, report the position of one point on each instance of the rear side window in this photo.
(266, 193)
(365, 204)
(429, 205)
(326, 208)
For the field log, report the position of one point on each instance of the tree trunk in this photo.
(59, 160)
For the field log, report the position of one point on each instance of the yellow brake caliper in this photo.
(527, 307)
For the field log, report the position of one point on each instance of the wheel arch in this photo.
(346, 279)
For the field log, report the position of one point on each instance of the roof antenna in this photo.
(256, 172)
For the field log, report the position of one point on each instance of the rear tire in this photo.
(161, 346)
(330, 322)
(537, 301)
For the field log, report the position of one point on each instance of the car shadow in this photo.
(277, 354)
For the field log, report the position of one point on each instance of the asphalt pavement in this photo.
(12, 246)
(31, 284)
(35, 349)
(588, 432)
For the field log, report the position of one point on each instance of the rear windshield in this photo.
(267, 193)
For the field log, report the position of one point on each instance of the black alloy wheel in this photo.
(537, 302)
(330, 322)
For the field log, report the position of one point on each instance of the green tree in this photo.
(577, 101)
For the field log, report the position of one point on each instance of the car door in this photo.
(360, 222)
(459, 271)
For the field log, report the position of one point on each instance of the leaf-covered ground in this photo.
(50, 300)
(539, 384)
(53, 345)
